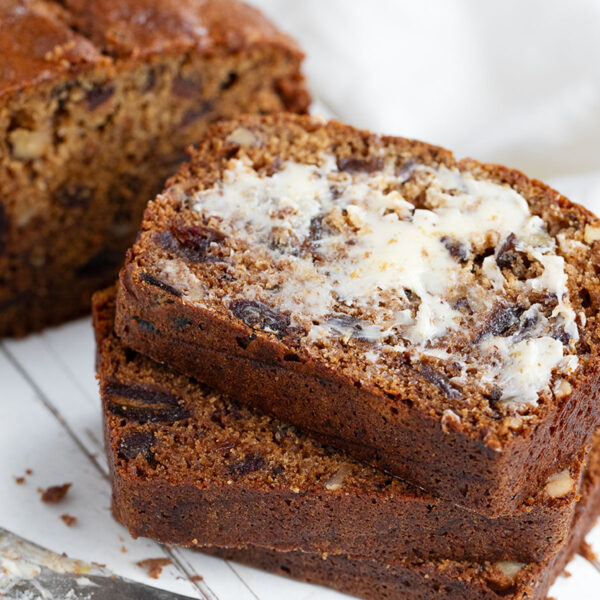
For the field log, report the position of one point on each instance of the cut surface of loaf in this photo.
(435, 317)
(98, 101)
(239, 478)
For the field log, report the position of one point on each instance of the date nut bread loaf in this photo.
(239, 478)
(434, 317)
(98, 100)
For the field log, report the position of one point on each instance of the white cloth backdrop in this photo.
(509, 81)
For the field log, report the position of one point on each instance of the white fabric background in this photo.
(509, 81)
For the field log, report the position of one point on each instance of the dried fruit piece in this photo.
(148, 414)
(500, 321)
(146, 405)
(351, 164)
(257, 315)
(439, 380)
(507, 254)
(457, 250)
(163, 285)
(191, 242)
(143, 393)
(249, 464)
(135, 443)
(99, 94)
(348, 326)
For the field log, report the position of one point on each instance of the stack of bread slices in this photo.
(353, 360)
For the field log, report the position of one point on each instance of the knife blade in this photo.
(30, 572)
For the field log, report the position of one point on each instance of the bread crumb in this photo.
(69, 520)
(197, 578)
(19, 480)
(154, 566)
(28, 472)
(55, 493)
(123, 549)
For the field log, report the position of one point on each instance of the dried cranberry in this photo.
(260, 316)
(360, 165)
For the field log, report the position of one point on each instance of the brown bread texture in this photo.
(193, 468)
(215, 304)
(98, 101)
(185, 463)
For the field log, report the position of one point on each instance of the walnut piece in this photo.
(28, 145)
(562, 389)
(509, 568)
(559, 484)
(336, 481)
(591, 233)
(242, 137)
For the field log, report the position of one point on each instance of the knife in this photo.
(30, 572)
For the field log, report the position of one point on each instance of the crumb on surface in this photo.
(197, 578)
(28, 472)
(69, 520)
(154, 566)
(19, 480)
(55, 493)
(123, 549)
